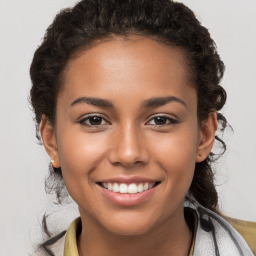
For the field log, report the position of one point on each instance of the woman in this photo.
(126, 96)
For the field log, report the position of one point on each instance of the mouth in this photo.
(128, 191)
(128, 188)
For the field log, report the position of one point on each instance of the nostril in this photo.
(139, 163)
(128, 163)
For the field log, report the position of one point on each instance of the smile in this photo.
(132, 188)
(128, 191)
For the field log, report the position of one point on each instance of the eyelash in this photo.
(171, 121)
(83, 120)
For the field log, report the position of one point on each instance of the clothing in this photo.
(213, 236)
(70, 248)
(247, 229)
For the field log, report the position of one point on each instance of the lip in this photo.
(127, 199)
(128, 180)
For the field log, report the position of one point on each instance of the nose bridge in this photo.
(128, 148)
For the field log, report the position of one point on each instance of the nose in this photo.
(128, 148)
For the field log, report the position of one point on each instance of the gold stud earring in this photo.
(52, 161)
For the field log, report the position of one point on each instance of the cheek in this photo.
(79, 154)
(176, 154)
(177, 147)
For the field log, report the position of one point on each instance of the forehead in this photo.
(136, 66)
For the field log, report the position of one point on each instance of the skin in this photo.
(127, 142)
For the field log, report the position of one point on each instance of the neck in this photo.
(171, 237)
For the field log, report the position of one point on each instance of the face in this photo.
(127, 136)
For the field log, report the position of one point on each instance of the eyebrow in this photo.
(160, 101)
(93, 101)
(149, 103)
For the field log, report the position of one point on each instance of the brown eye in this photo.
(162, 120)
(93, 121)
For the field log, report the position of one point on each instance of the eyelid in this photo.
(173, 120)
(83, 118)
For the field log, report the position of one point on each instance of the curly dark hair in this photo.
(89, 21)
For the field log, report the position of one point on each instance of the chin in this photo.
(129, 225)
(128, 230)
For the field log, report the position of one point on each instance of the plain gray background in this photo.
(24, 163)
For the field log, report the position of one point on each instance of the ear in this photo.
(206, 136)
(49, 140)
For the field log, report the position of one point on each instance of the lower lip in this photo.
(127, 199)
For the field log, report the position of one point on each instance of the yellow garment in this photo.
(247, 230)
(70, 248)
(191, 252)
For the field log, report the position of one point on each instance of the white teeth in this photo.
(150, 185)
(116, 187)
(110, 187)
(123, 188)
(130, 189)
(145, 187)
(140, 188)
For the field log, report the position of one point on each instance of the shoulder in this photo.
(247, 229)
(215, 236)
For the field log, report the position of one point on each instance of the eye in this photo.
(162, 120)
(93, 120)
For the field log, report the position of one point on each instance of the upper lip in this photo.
(133, 179)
